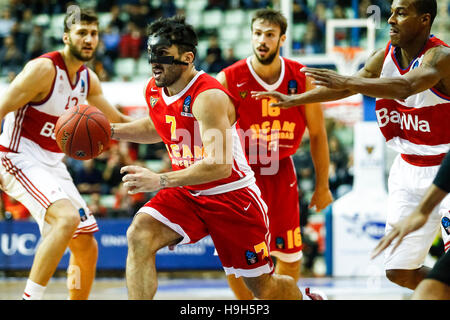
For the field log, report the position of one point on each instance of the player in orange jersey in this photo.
(274, 134)
(211, 189)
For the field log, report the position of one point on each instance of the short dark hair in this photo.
(272, 16)
(85, 15)
(177, 31)
(426, 6)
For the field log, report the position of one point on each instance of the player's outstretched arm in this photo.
(315, 123)
(97, 99)
(33, 83)
(214, 113)
(371, 69)
(435, 68)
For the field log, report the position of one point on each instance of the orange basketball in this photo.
(83, 132)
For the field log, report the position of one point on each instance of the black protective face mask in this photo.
(154, 44)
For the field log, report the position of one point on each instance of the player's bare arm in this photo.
(222, 78)
(214, 113)
(32, 84)
(434, 71)
(371, 69)
(412, 222)
(139, 131)
(97, 99)
(322, 196)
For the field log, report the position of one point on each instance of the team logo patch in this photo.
(446, 224)
(153, 101)
(369, 149)
(187, 109)
(83, 216)
(279, 242)
(243, 94)
(251, 257)
(292, 87)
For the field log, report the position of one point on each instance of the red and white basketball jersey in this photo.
(30, 129)
(418, 125)
(267, 129)
(174, 121)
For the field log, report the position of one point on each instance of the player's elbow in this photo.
(404, 90)
(219, 170)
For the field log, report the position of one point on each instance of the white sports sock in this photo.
(33, 291)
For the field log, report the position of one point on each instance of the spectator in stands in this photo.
(37, 43)
(116, 19)
(213, 62)
(311, 42)
(111, 173)
(11, 59)
(13, 209)
(300, 11)
(89, 178)
(96, 207)
(6, 24)
(139, 14)
(132, 42)
(255, 4)
(217, 5)
(230, 57)
(168, 8)
(111, 39)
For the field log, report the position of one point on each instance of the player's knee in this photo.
(397, 276)
(138, 236)
(259, 286)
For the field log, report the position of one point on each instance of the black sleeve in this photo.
(442, 179)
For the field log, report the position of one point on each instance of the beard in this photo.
(269, 58)
(170, 75)
(77, 53)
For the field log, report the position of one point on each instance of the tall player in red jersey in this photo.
(211, 189)
(412, 108)
(274, 134)
(32, 170)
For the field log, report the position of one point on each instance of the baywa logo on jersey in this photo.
(292, 87)
(187, 110)
(251, 257)
(446, 224)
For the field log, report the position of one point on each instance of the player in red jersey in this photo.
(211, 189)
(274, 134)
(31, 167)
(411, 80)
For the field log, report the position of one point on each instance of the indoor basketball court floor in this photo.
(214, 287)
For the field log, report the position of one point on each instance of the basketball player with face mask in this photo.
(32, 170)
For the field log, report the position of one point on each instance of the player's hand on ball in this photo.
(138, 179)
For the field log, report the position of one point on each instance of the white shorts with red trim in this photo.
(37, 186)
(407, 184)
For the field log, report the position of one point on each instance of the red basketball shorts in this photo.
(280, 193)
(236, 221)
